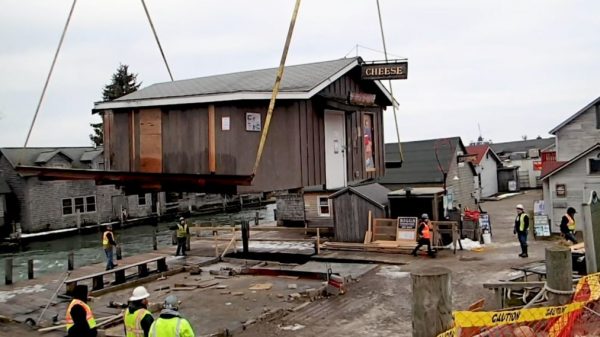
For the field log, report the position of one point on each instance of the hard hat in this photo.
(519, 206)
(424, 216)
(139, 293)
(181, 219)
(171, 302)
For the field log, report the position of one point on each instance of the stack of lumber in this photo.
(392, 247)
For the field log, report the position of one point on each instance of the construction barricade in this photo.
(580, 318)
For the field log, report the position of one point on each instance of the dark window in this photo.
(90, 204)
(67, 206)
(594, 166)
(323, 206)
(79, 205)
(141, 199)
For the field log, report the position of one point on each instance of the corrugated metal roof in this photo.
(522, 145)
(30, 156)
(296, 78)
(420, 165)
(4, 188)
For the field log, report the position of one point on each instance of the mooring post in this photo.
(256, 219)
(245, 235)
(318, 243)
(118, 252)
(154, 240)
(30, 269)
(71, 261)
(559, 275)
(431, 302)
(216, 237)
(8, 271)
(188, 242)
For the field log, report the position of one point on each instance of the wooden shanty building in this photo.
(351, 207)
(327, 129)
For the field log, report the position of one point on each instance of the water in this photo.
(51, 256)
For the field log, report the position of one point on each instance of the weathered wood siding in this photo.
(351, 217)
(185, 140)
(311, 127)
(578, 135)
(150, 127)
(311, 210)
(463, 189)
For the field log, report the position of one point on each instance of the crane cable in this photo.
(157, 40)
(37, 109)
(265, 131)
(390, 84)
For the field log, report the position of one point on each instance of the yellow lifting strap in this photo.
(265, 131)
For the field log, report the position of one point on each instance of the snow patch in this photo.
(467, 244)
(292, 327)
(7, 295)
(392, 272)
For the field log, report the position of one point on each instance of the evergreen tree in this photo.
(123, 82)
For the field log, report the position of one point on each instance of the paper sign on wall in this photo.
(225, 123)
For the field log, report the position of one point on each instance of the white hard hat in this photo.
(171, 302)
(424, 216)
(139, 293)
(519, 206)
(181, 218)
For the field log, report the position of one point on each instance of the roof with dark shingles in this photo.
(522, 145)
(373, 192)
(30, 156)
(297, 78)
(419, 165)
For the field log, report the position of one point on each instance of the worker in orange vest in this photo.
(108, 242)
(424, 235)
(79, 317)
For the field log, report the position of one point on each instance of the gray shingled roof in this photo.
(44, 157)
(4, 188)
(374, 192)
(30, 156)
(296, 78)
(522, 145)
(419, 165)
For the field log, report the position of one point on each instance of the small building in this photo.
(486, 166)
(4, 220)
(351, 206)
(527, 156)
(578, 132)
(318, 210)
(412, 202)
(433, 163)
(40, 205)
(327, 129)
(508, 179)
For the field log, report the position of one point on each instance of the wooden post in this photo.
(559, 274)
(256, 219)
(8, 270)
(118, 252)
(78, 214)
(188, 242)
(154, 240)
(431, 302)
(158, 208)
(245, 236)
(71, 261)
(30, 269)
(216, 236)
(318, 242)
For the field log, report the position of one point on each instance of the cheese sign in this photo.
(384, 71)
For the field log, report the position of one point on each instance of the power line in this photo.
(157, 40)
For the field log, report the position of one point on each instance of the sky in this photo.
(512, 68)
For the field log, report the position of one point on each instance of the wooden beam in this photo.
(212, 145)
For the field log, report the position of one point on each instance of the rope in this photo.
(558, 292)
(390, 84)
(37, 109)
(157, 40)
(265, 132)
(592, 311)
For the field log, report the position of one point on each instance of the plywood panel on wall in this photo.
(151, 140)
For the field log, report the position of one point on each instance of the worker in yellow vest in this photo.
(182, 232)
(108, 242)
(170, 323)
(424, 235)
(79, 317)
(521, 229)
(137, 318)
(567, 225)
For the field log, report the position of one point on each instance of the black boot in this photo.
(524, 251)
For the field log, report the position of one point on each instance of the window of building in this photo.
(80, 205)
(368, 133)
(594, 166)
(324, 206)
(67, 205)
(90, 204)
(141, 199)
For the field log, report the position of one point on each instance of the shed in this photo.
(508, 179)
(351, 206)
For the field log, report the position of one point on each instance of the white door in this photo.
(335, 149)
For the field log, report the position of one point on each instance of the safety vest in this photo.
(426, 232)
(571, 223)
(521, 218)
(89, 316)
(170, 327)
(105, 242)
(133, 322)
(182, 230)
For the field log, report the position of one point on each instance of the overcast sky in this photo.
(514, 67)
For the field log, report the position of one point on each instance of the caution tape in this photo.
(453, 332)
(468, 319)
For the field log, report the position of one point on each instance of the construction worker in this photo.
(521, 229)
(424, 235)
(137, 318)
(567, 225)
(79, 317)
(182, 232)
(108, 242)
(170, 323)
